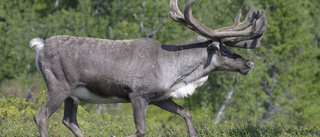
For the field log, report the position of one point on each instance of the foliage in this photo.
(16, 120)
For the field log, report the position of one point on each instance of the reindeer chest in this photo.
(184, 89)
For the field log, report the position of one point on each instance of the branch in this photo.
(229, 95)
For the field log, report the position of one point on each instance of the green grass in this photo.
(16, 120)
(113, 125)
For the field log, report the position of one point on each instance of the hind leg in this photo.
(51, 104)
(58, 91)
(70, 116)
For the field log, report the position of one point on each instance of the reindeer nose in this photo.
(250, 64)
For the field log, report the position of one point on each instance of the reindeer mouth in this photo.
(246, 73)
(249, 66)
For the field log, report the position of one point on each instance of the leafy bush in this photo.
(15, 109)
(16, 120)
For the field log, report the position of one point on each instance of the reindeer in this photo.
(139, 71)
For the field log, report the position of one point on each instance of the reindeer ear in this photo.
(201, 39)
(214, 47)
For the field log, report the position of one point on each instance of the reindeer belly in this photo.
(84, 94)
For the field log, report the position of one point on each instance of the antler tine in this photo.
(259, 25)
(198, 27)
(237, 25)
(176, 14)
(262, 24)
(254, 25)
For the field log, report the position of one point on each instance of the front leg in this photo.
(172, 107)
(70, 116)
(139, 106)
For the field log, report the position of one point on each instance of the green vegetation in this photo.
(17, 120)
(280, 97)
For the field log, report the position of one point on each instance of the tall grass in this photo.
(16, 120)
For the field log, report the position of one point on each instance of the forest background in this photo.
(284, 86)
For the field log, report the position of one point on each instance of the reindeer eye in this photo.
(224, 52)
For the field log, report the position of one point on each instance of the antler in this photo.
(252, 28)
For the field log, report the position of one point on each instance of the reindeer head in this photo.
(246, 34)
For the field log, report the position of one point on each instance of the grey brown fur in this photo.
(139, 71)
